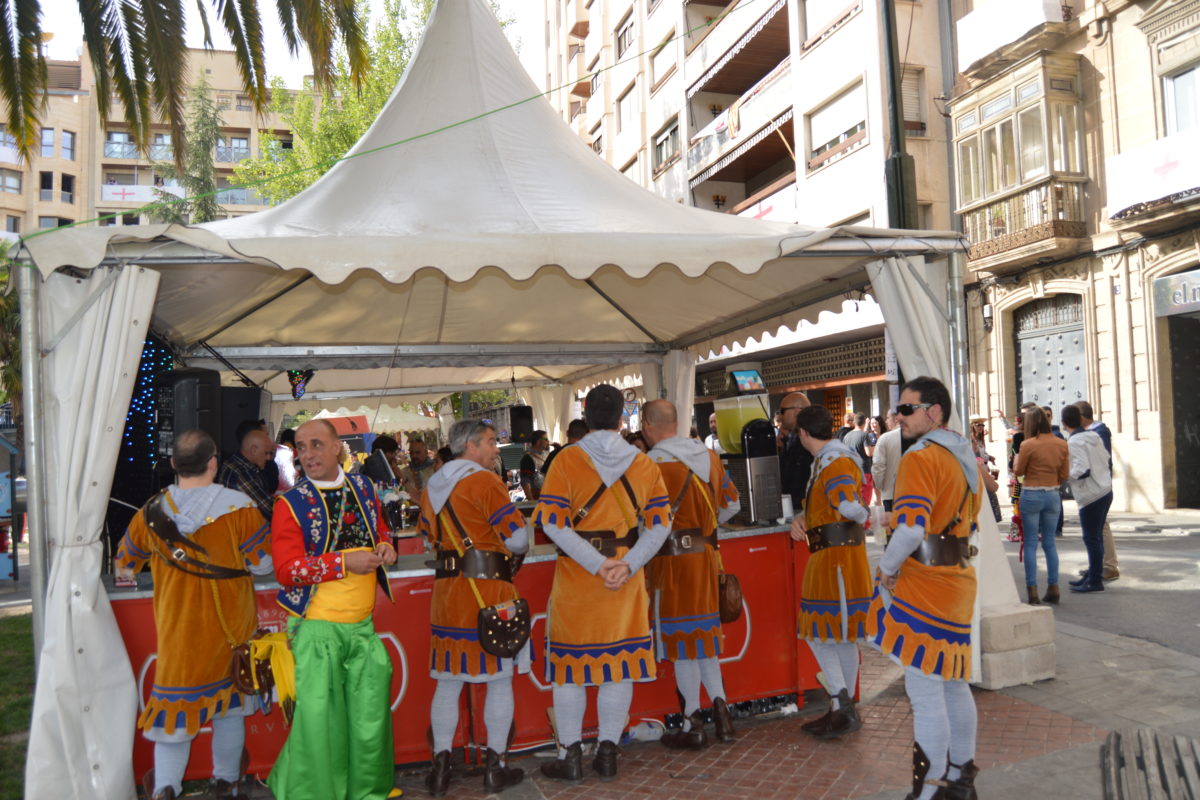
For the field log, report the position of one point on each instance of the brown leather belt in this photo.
(478, 564)
(944, 550)
(688, 540)
(835, 534)
(606, 542)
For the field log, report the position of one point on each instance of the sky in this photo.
(61, 17)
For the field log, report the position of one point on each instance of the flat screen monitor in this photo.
(749, 380)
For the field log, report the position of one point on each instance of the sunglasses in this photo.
(908, 409)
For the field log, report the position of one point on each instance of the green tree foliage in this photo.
(326, 124)
(136, 49)
(198, 178)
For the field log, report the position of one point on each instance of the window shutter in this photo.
(910, 92)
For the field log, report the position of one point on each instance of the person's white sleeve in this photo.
(649, 542)
(519, 542)
(1079, 462)
(905, 541)
(728, 512)
(853, 510)
(264, 567)
(571, 543)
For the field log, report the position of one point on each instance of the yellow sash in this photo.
(351, 599)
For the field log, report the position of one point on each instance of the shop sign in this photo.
(1177, 294)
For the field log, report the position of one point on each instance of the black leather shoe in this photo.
(497, 777)
(844, 719)
(438, 779)
(1088, 587)
(1082, 580)
(962, 787)
(223, 790)
(692, 739)
(605, 762)
(723, 720)
(818, 725)
(569, 768)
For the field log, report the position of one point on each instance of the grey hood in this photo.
(691, 453)
(442, 482)
(610, 453)
(960, 448)
(201, 503)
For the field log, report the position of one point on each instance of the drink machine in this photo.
(748, 437)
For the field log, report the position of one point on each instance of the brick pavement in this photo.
(773, 758)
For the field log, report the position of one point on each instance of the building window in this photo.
(223, 102)
(68, 145)
(598, 144)
(10, 181)
(837, 127)
(130, 219)
(234, 148)
(627, 109)
(666, 145)
(6, 138)
(594, 71)
(161, 148)
(108, 220)
(912, 94)
(1181, 99)
(47, 143)
(822, 17)
(631, 170)
(68, 188)
(663, 60)
(243, 103)
(53, 222)
(1018, 138)
(119, 144)
(12, 224)
(624, 35)
(46, 186)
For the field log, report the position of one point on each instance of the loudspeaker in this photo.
(187, 399)
(520, 419)
(238, 404)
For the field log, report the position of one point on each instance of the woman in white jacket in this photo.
(1091, 485)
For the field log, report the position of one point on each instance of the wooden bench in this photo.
(1146, 765)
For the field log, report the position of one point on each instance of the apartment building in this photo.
(1077, 149)
(86, 167)
(775, 109)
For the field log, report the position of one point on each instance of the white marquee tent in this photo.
(469, 240)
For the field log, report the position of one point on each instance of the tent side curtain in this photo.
(81, 732)
(912, 293)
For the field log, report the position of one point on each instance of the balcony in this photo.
(232, 155)
(239, 197)
(1045, 220)
(579, 28)
(758, 109)
(120, 150)
(1004, 31)
(135, 193)
(9, 153)
(162, 152)
(737, 51)
(1157, 185)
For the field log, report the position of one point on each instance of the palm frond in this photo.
(22, 70)
(354, 39)
(203, 13)
(241, 22)
(287, 23)
(166, 49)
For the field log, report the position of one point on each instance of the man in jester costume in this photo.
(605, 506)
(202, 541)
(472, 525)
(921, 616)
(836, 590)
(330, 547)
(683, 577)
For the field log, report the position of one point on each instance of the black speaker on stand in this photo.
(520, 419)
(186, 399)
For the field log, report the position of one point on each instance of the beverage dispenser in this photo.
(751, 458)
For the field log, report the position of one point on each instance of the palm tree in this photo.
(137, 49)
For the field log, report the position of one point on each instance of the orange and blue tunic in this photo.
(595, 635)
(191, 678)
(686, 608)
(836, 591)
(927, 623)
(481, 503)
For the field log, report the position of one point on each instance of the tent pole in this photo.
(956, 300)
(31, 397)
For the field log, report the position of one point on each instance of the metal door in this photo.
(1051, 358)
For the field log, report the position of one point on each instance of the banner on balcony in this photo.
(1166, 170)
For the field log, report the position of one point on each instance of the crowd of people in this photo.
(634, 519)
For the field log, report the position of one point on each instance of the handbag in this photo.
(503, 628)
(250, 669)
(729, 597)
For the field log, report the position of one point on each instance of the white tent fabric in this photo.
(384, 418)
(912, 294)
(81, 733)
(551, 409)
(679, 377)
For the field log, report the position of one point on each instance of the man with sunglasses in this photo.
(795, 463)
(921, 615)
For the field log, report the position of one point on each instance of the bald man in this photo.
(683, 576)
(795, 463)
(243, 471)
(330, 547)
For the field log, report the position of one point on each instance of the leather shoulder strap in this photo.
(687, 482)
(586, 507)
(177, 545)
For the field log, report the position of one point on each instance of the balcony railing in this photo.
(9, 153)
(1050, 209)
(162, 152)
(120, 150)
(757, 107)
(232, 154)
(67, 197)
(46, 195)
(999, 24)
(239, 197)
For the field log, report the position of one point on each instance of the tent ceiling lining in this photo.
(410, 390)
(432, 355)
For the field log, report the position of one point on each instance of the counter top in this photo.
(413, 566)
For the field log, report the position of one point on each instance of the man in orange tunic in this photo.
(921, 617)
(683, 576)
(466, 500)
(837, 580)
(599, 626)
(202, 608)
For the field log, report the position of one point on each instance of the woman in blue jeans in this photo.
(1043, 463)
(1091, 484)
